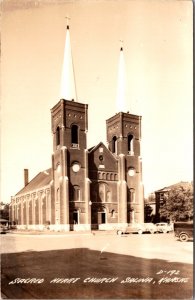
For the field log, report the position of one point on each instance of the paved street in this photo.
(162, 246)
(139, 266)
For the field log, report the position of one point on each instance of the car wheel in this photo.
(183, 237)
(139, 231)
(119, 232)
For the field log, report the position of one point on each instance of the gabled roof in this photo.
(102, 159)
(168, 188)
(40, 180)
(101, 145)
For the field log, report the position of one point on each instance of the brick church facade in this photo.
(96, 188)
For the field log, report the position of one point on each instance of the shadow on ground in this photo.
(87, 264)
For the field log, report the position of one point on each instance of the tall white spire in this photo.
(68, 86)
(121, 85)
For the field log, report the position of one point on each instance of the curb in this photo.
(69, 233)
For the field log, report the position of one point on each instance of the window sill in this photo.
(74, 146)
(131, 153)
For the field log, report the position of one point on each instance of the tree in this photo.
(148, 213)
(149, 204)
(178, 203)
(4, 211)
(151, 198)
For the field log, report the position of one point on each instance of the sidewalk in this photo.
(48, 232)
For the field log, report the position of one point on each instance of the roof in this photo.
(101, 144)
(40, 180)
(91, 148)
(168, 188)
(96, 146)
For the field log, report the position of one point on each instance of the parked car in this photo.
(3, 229)
(183, 230)
(150, 227)
(163, 227)
(132, 228)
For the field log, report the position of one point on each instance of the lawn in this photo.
(82, 273)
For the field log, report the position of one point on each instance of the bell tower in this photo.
(124, 138)
(70, 164)
(69, 125)
(69, 118)
(124, 134)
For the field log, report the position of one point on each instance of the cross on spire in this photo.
(67, 21)
(121, 43)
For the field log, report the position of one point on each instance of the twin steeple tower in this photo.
(96, 188)
(85, 175)
(68, 83)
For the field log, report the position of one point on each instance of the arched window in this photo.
(130, 144)
(74, 136)
(102, 189)
(58, 168)
(132, 215)
(103, 192)
(132, 195)
(114, 144)
(108, 196)
(113, 213)
(76, 193)
(99, 175)
(58, 136)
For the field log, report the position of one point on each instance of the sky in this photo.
(157, 44)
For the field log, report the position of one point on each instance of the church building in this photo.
(97, 188)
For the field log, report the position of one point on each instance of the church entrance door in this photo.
(76, 217)
(103, 217)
